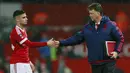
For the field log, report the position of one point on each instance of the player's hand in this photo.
(32, 66)
(114, 55)
(57, 43)
(51, 43)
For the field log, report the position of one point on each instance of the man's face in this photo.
(94, 14)
(22, 19)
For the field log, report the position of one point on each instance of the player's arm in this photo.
(118, 36)
(32, 66)
(38, 44)
(23, 40)
(76, 39)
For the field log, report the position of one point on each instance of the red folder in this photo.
(110, 46)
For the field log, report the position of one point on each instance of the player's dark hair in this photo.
(17, 13)
(96, 7)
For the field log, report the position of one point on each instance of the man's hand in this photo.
(57, 43)
(51, 43)
(32, 66)
(114, 55)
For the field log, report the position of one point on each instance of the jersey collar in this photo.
(19, 28)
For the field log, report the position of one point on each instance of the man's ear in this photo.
(99, 13)
(17, 19)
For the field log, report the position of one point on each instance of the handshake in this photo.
(53, 43)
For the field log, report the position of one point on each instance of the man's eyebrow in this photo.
(24, 16)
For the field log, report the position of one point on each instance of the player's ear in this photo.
(17, 19)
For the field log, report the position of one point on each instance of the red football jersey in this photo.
(20, 51)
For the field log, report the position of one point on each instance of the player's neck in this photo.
(19, 25)
(98, 19)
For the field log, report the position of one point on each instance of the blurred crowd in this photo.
(67, 1)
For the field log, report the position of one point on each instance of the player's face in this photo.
(22, 19)
(94, 14)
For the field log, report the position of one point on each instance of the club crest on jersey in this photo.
(105, 26)
(21, 35)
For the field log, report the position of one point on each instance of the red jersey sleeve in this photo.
(21, 38)
(35, 44)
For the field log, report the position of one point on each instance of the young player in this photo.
(20, 62)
